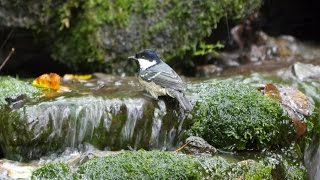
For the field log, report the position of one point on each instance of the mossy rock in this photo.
(99, 35)
(12, 87)
(233, 116)
(107, 31)
(168, 165)
(140, 165)
(52, 171)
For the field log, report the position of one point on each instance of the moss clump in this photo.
(233, 116)
(140, 165)
(286, 169)
(52, 171)
(11, 87)
(219, 168)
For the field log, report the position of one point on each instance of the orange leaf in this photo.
(51, 81)
(272, 91)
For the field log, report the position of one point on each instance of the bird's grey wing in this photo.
(166, 78)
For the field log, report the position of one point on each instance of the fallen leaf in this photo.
(51, 81)
(272, 91)
(294, 102)
(300, 126)
(68, 77)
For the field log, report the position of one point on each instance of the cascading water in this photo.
(106, 123)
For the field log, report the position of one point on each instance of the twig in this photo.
(5, 41)
(7, 58)
(180, 148)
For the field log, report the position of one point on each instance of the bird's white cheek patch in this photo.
(144, 64)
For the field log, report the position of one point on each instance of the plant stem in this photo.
(7, 58)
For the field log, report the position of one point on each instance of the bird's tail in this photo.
(183, 101)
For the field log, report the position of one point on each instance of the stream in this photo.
(108, 114)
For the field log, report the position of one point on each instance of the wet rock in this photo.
(16, 102)
(312, 158)
(282, 48)
(113, 116)
(208, 70)
(114, 113)
(305, 71)
(197, 145)
(93, 34)
(16, 170)
(14, 92)
(301, 72)
(233, 116)
(257, 53)
(106, 123)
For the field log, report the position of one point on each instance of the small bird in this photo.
(159, 79)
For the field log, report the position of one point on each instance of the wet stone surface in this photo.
(107, 112)
(110, 113)
(198, 146)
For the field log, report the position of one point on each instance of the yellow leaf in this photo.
(68, 77)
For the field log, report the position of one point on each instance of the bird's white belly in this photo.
(154, 89)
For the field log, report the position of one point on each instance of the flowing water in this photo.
(113, 113)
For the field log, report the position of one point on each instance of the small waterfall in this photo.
(110, 124)
(159, 113)
(134, 113)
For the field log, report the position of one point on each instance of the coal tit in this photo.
(159, 79)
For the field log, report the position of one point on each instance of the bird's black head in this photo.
(147, 58)
(148, 54)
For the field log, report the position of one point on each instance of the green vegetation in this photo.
(233, 116)
(219, 168)
(99, 35)
(140, 165)
(52, 171)
(12, 87)
(168, 165)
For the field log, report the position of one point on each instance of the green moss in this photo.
(284, 166)
(233, 116)
(219, 168)
(93, 35)
(80, 44)
(168, 165)
(10, 87)
(52, 171)
(140, 165)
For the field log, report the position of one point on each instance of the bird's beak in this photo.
(132, 57)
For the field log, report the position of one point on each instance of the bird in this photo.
(159, 79)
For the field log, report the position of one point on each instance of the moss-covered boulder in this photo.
(50, 126)
(140, 165)
(85, 34)
(11, 88)
(169, 165)
(113, 117)
(234, 116)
